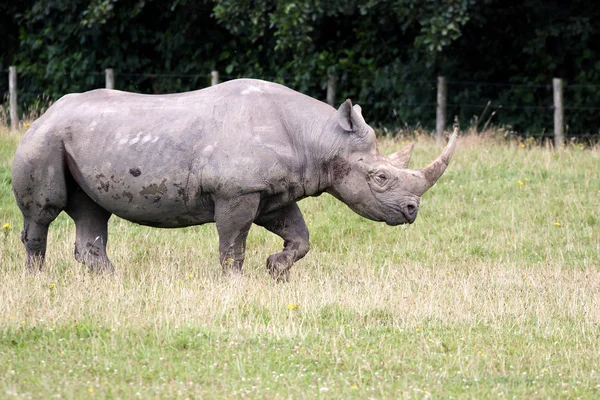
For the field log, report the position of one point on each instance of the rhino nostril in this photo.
(411, 209)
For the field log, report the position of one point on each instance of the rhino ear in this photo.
(351, 119)
(345, 115)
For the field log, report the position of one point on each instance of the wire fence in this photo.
(487, 103)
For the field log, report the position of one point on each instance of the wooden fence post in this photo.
(440, 114)
(109, 78)
(331, 86)
(13, 105)
(214, 78)
(559, 138)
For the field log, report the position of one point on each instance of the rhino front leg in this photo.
(234, 218)
(288, 223)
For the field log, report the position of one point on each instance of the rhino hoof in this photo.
(232, 267)
(279, 266)
(281, 276)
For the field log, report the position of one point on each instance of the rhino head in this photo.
(375, 186)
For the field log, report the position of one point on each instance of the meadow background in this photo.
(494, 292)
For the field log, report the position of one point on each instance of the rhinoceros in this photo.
(241, 152)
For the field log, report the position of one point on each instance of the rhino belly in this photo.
(166, 200)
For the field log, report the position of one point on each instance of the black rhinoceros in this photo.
(238, 153)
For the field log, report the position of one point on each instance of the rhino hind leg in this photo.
(34, 237)
(40, 189)
(288, 223)
(91, 230)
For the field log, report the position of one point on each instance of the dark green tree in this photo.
(385, 53)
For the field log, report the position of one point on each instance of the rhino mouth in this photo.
(398, 222)
(401, 220)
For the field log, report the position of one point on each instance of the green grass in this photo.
(484, 296)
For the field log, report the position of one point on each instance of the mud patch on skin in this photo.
(433, 174)
(154, 189)
(92, 250)
(102, 184)
(338, 167)
(135, 171)
(182, 192)
(158, 191)
(23, 205)
(50, 211)
(128, 195)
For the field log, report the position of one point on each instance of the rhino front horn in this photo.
(433, 171)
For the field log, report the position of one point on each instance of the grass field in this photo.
(493, 292)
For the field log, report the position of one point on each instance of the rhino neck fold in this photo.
(315, 178)
(313, 149)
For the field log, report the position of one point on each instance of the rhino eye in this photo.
(380, 178)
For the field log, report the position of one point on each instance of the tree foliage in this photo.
(385, 53)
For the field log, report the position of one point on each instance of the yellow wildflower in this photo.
(91, 390)
(354, 387)
(7, 226)
(52, 286)
(557, 224)
(229, 261)
(521, 183)
(293, 306)
(522, 145)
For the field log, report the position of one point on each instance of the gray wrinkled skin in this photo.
(238, 153)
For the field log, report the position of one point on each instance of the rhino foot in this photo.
(94, 258)
(34, 263)
(231, 267)
(279, 265)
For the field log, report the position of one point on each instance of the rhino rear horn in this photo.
(351, 119)
(401, 158)
(434, 171)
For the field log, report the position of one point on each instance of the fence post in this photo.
(13, 105)
(331, 86)
(440, 114)
(559, 138)
(109, 78)
(214, 78)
